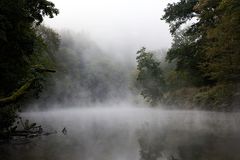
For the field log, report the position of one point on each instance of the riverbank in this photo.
(221, 97)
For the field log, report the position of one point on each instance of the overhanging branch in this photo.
(23, 89)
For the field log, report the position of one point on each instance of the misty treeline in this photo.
(85, 74)
(42, 68)
(201, 69)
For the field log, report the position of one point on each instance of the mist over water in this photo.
(119, 27)
(87, 75)
(130, 132)
(92, 104)
(97, 54)
(106, 119)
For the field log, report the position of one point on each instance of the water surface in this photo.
(128, 133)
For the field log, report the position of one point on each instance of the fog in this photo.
(124, 132)
(86, 74)
(119, 27)
(97, 54)
(93, 94)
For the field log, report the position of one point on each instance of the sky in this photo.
(117, 26)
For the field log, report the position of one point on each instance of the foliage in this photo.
(218, 96)
(185, 53)
(179, 13)
(19, 40)
(212, 48)
(206, 52)
(19, 45)
(150, 76)
(182, 98)
(223, 53)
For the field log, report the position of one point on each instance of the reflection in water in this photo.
(131, 134)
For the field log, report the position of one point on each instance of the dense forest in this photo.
(201, 69)
(38, 65)
(25, 56)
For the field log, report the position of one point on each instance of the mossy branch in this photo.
(19, 93)
(23, 89)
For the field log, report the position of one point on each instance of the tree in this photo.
(18, 38)
(179, 13)
(19, 43)
(223, 53)
(150, 78)
(185, 53)
(193, 55)
(207, 50)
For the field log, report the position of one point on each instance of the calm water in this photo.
(130, 134)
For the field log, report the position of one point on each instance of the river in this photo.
(130, 133)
